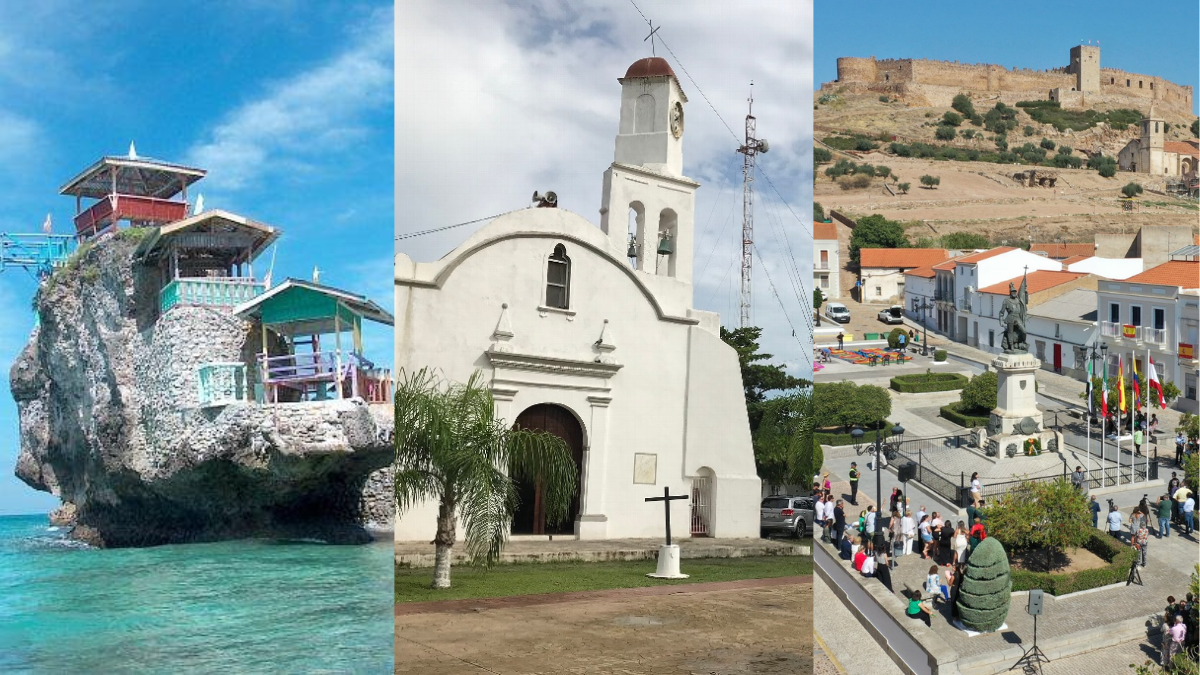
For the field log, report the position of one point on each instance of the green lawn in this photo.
(412, 585)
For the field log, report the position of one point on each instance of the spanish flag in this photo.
(1121, 384)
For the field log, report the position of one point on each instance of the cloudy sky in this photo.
(289, 105)
(498, 99)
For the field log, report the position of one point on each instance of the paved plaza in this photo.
(1099, 631)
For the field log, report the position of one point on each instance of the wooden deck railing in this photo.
(113, 208)
(318, 374)
(209, 292)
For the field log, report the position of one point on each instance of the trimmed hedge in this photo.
(925, 382)
(1119, 558)
(833, 438)
(970, 419)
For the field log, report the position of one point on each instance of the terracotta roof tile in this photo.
(1038, 280)
(901, 258)
(926, 272)
(1064, 250)
(1188, 147)
(824, 231)
(1074, 259)
(984, 255)
(1181, 273)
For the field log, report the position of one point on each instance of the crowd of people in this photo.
(873, 541)
(1179, 627)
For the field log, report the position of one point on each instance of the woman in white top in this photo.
(909, 529)
(976, 487)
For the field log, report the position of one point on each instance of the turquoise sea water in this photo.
(229, 607)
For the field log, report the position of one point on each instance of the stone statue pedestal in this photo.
(1016, 417)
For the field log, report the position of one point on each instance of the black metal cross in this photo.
(666, 500)
(650, 37)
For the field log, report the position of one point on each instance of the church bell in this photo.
(632, 252)
(665, 247)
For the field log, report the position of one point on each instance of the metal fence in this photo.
(923, 454)
(916, 450)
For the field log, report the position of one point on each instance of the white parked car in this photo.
(893, 314)
(837, 312)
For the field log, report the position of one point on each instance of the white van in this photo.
(837, 312)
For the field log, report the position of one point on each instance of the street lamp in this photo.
(881, 437)
(923, 307)
(1093, 356)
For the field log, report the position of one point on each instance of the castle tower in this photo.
(1085, 66)
(1150, 147)
(645, 195)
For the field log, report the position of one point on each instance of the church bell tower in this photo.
(1153, 131)
(647, 205)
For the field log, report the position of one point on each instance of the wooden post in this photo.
(337, 342)
(267, 394)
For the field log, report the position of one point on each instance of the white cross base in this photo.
(668, 563)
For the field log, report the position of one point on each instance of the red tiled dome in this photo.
(653, 66)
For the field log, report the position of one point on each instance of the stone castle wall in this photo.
(901, 74)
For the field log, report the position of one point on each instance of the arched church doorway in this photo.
(530, 517)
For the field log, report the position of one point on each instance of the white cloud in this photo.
(320, 111)
(18, 137)
(495, 100)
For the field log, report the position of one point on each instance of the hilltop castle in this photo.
(1081, 83)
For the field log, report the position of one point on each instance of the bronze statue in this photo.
(1013, 316)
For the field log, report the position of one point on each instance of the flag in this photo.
(1091, 412)
(1121, 384)
(1104, 391)
(1137, 391)
(1155, 383)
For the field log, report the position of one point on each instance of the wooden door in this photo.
(1057, 357)
(530, 517)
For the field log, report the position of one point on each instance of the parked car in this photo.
(893, 314)
(837, 312)
(786, 515)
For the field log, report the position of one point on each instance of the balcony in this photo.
(323, 376)
(227, 292)
(222, 384)
(821, 265)
(1110, 329)
(114, 208)
(1155, 336)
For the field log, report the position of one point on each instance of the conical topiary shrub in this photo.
(986, 588)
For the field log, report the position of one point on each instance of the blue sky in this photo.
(288, 104)
(1012, 37)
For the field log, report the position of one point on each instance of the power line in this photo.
(804, 353)
(422, 233)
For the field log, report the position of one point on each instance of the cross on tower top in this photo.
(650, 37)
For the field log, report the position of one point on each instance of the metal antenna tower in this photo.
(752, 147)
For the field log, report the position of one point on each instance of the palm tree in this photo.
(451, 448)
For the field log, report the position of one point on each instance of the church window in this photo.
(558, 279)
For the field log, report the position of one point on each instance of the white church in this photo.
(590, 333)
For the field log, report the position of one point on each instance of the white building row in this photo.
(1073, 304)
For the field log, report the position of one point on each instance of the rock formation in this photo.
(110, 422)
